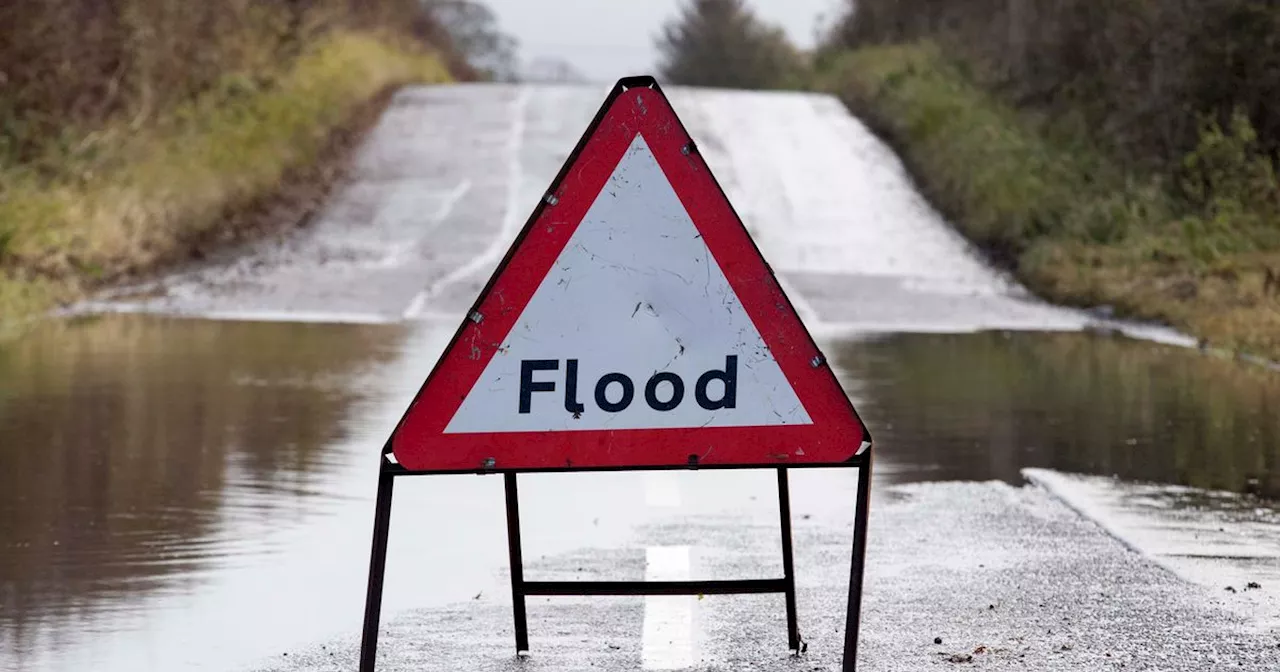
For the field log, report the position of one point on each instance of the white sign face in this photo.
(635, 327)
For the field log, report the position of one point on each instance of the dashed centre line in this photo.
(668, 619)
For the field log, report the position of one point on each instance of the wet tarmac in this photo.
(1224, 541)
(187, 481)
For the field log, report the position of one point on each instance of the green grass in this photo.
(1190, 248)
(125, 197)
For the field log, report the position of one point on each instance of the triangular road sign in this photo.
(633, 323)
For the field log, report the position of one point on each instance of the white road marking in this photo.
(512, 217)
(442, 213)
(661, 489)
(451, 200)
(668, 619)
(415, 306)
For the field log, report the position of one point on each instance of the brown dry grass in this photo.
(1229, 305)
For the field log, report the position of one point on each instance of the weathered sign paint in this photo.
(633, 323)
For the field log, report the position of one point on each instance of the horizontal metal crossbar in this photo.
(737, 587)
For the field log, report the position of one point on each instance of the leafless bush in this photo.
(472, 30)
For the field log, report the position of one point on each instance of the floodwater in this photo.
(142, 460)
(987, 405)
(162, 479)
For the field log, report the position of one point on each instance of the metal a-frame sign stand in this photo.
(421, 444)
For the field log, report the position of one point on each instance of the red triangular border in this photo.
(836, 435)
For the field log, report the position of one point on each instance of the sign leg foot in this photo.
(377, 569)
(788, 563)
(517, 566)
(855, 570)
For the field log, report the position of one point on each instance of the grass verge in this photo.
(1198, 249)
(139, 193)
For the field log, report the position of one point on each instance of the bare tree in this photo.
(473, 30)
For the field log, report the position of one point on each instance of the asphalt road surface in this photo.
(1005, 577)
(449, 176)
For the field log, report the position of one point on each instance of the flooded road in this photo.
(164, 475)
(150, 460)
(196, 494)
(986, 406)
(186, 481)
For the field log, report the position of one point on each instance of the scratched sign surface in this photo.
(632, 324)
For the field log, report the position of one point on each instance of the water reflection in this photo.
(982, 406)
(134, 450)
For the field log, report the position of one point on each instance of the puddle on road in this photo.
(140, 456)
(985, 406)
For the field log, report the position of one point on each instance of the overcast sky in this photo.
(607, 39)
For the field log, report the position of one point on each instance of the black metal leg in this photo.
(520, 589)
(788, 564)
(377, 569)
(855, 571)
(517, 564)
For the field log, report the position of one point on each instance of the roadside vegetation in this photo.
(1122, 157)
(135, 132)
(722, 43)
